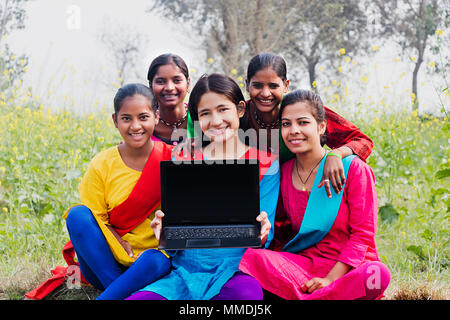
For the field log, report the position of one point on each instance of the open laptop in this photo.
(210, 205)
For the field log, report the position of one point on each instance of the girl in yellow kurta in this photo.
(110, 231)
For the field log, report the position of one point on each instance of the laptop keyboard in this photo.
(209, 233)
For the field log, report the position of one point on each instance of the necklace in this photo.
(309, 175)
(264, 125)
(176, 124)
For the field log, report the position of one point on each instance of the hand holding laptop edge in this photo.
(156, 223)
(265, 226)
(262, 218)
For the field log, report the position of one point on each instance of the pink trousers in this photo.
(284, 273)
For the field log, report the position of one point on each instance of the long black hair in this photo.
(220, 84)
(130, 90)
(265, 60)
(314, 102)
(163, 60)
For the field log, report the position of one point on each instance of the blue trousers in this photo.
(98, 265)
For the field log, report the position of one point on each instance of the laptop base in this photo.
(165, 244)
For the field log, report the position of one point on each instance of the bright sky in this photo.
(60, 38)
(68, 63)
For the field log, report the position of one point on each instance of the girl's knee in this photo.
(378, 273)
(246, 288)
(77, 214)
(145, 295)
(155, 260)
(377, 278)
(78, 218)
(255, 291)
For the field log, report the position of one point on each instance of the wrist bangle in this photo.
(334, 154)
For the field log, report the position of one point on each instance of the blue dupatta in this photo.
(320, 212)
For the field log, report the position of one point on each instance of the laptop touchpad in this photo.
(200, 243)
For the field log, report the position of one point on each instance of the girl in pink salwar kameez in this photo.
(336, 259)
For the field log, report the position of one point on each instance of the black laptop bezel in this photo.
(252, 193)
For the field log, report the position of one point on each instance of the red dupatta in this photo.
(142, 201)
(265, 158)
(145, 196)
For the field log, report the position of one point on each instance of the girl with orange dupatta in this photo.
(120, 192)
(324, 246)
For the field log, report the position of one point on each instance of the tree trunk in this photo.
(312, 63)
(312, 77)
(421, 49)
(231, 49)
(415, 102)
(260, 25)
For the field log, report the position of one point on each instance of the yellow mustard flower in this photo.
(341, 51)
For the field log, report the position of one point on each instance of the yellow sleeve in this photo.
(92, 191)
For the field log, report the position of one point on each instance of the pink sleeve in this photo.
(361, 197)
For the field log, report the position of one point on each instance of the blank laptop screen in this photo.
(209, 193)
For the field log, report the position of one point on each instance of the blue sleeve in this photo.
(269, 187)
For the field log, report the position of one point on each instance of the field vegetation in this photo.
(44, 153)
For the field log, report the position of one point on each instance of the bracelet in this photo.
(334, 154)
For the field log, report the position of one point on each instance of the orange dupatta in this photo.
(142, 201)
(145, 196)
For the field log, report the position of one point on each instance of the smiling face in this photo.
(219, 117)
(266, 89)
(136, 121)
(299, 128)
(169, 86)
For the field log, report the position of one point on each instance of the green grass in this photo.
(43, 156)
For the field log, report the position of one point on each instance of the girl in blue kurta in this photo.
(217, 103)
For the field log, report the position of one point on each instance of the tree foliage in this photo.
(125, 46)
(12, 17)
(232, 31)
(411, 23)
(308, 32)
(322, 28)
